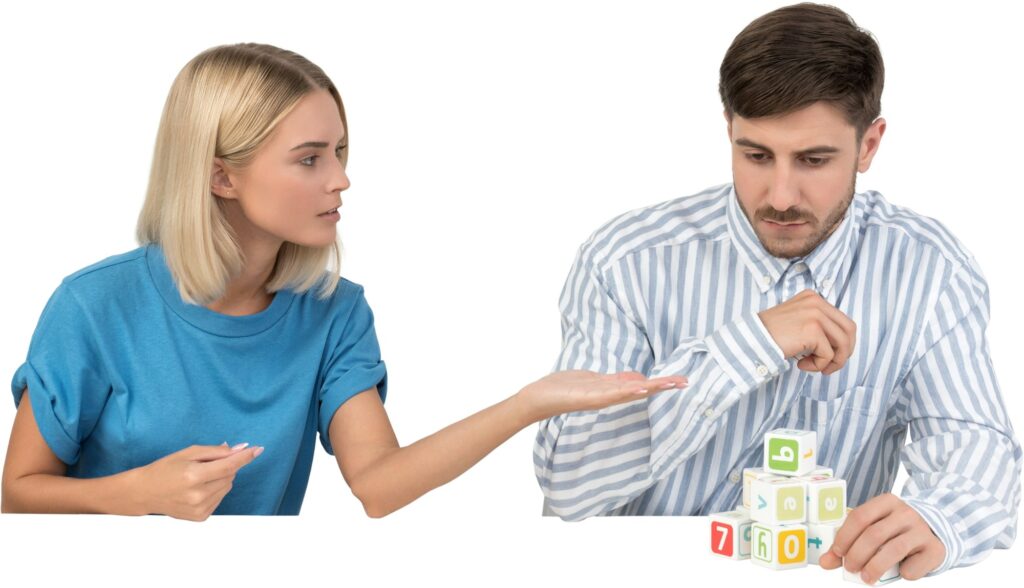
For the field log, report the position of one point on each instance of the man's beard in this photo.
(791, 248)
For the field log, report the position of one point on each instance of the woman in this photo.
(224, 325)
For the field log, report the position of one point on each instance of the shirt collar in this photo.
(823, 263)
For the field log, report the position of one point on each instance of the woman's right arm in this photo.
(34, 480)
(188, 484)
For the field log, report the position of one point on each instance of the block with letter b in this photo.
(778, 546)
(730, 534)
(778, 500)
(790, 452)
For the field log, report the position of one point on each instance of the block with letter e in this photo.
(730, 534)
(778, 500)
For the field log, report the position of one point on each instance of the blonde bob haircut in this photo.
(225, 103)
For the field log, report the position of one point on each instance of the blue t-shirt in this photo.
(122, 372)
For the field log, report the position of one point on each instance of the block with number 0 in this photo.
(780, 547)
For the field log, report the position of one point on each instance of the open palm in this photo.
(574, 390)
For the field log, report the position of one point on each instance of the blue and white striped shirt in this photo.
(675, 288)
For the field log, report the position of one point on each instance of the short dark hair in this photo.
(797, 55)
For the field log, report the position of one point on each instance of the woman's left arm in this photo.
(385, 477)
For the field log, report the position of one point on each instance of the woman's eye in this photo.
(310, 159)
(340, 150)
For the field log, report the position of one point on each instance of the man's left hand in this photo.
(881, 533)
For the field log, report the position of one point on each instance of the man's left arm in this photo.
(964, 461)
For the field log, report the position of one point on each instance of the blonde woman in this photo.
(225, 325)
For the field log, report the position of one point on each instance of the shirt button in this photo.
(800, 267)
(709, 413)
(826, 283)
(762, 370)
(766, 280)
(734, 477)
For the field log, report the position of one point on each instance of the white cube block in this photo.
(749, 475)
(819, 539)
(778, 500)
(790, 452)
(826, 499)
(780, 547)
(821, 471)
(730, 534)
(890, 575)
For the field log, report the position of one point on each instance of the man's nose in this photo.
(783, 193)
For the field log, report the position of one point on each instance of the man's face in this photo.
(795, 174)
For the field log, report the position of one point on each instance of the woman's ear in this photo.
(220, 184)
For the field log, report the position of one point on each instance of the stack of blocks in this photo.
(791, 509)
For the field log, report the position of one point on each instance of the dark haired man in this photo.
(789, 300)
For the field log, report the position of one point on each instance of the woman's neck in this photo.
(246, 292)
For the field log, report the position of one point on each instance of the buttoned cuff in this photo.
(746, 352)
(942, 529)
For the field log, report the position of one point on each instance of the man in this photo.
(789, 300)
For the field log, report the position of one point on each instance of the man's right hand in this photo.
(807, 326)
(190, 483)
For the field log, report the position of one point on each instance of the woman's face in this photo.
(294, 179)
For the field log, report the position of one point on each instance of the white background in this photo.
(487, 141)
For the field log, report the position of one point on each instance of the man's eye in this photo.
(757, 157)
(816, 161)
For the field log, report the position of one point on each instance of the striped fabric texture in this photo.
(675, 288)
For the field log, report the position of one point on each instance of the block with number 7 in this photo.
(730, 534)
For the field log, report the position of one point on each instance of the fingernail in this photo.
(640, 391)
(224, 443)
(240, 446)
(258, 451)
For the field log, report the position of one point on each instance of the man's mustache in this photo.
(786, 216)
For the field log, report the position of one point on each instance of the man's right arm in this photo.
(592, 462)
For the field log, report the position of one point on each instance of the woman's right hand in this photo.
(574, 390)
(189, 484)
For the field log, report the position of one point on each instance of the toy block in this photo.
(822, 471)
(790, 452)
(819, 539)
(890, 575)
(749, 475)
(778, 500)
(730, 534)
(778, 547)
(826, 499)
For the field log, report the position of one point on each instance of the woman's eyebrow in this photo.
(316, 144)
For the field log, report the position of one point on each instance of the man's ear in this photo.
(220, 184)
(869, 144)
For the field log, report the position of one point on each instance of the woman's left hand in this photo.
(573, 390)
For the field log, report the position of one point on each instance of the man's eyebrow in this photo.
(316, 144)
(817, 149)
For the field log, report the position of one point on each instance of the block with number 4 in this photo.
(778, 500)
(730, 534)
(890, 575)
(778, 546)
(790, 452)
